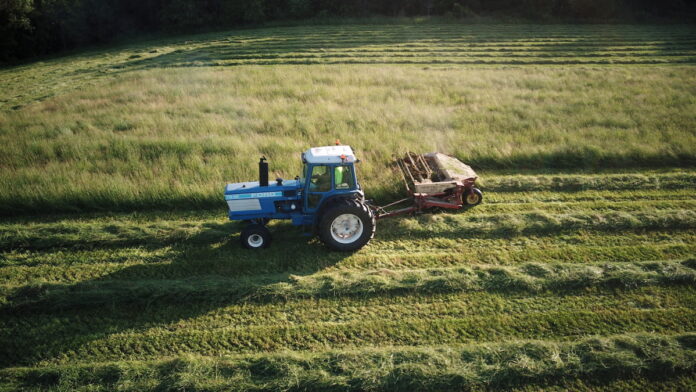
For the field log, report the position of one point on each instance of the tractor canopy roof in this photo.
(329, 154)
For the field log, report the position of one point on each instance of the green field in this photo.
(119, 270)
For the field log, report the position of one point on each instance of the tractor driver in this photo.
(321, 179)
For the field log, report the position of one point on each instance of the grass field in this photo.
(119, 270)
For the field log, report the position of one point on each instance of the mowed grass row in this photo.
(528, 278)
(397, 368)
(570, 196)
(404, 43)
(157, 343)
(213, 324)
(176, 262)
(123, 232)
(220, 311)
(447, 243)
(94, 377)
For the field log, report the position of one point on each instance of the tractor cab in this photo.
(328, 172)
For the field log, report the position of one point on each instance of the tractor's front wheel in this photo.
(255, 236)
(348, 225)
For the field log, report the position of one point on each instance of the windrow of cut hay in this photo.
(529, 278)
(383, 369)
(392, 43)
(226, 258)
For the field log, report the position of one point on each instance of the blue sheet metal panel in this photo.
(248, 200)
(265, 208)
(298, 219)
(258, 215)
(253, 187)
(278, 195)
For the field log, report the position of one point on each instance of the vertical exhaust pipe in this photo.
(263, 172)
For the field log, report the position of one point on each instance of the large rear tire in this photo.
(347, 225)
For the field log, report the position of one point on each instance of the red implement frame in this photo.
(414, 168)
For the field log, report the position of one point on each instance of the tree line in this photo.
(35, 27)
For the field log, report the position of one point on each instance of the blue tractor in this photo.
(326, 199)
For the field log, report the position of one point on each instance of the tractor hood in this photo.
(249, 200)
(252, 189)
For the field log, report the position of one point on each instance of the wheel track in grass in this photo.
(165, 253)
(581, 206)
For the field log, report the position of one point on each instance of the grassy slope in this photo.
(565, 278)
(163, 124)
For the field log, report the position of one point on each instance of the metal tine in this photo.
(403, 168)
(426, 166)
(403, 176)
(414, 167)
(413, 164)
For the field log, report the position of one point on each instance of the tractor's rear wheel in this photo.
(255, 236)
(473, 197)
(347, 225)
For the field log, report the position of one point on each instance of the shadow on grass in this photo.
(53, 321)
(207, 243)
(209, 271)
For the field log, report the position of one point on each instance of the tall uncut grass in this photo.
(165, 124)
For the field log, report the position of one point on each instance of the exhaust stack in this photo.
(263, 172)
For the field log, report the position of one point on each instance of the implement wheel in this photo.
(473, 197)
(255, 236)
(348, 225)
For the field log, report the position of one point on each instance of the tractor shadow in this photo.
(207, 272)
